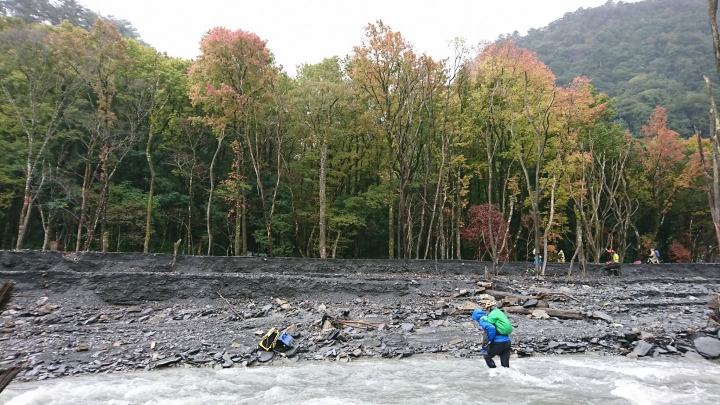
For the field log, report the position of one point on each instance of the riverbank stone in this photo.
(131, 315)
(708, 346)
(642, 348)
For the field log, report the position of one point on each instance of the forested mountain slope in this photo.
(54, 12)
(649, 53)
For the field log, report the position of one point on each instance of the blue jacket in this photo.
(479, 316)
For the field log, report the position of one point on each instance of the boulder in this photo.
(642, 348)
(530, 303)
(469, 306)
(708, 346)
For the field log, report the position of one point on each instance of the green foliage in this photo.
(644, 53)
(55, 12)
(398, 146)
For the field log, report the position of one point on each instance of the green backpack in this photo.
(501, 321)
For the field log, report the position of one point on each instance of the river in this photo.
(533, 380)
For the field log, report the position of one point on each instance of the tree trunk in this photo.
(83, 204)
(190, 250)
(46, 227)
(244, 225)
(456, 228)
(238, 206)
(148, 216)
(549, 225)
(212, 189)
(391, 232)
(323, 215)
(26, 207)
(713, 185)
(335, 244)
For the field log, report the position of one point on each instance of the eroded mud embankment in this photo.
(130, 278)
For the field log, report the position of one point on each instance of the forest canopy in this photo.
(490, 155)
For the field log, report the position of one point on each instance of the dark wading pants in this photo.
(502, 349)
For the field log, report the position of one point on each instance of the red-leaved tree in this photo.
(228, 81)
(679, 253)
(482, 220)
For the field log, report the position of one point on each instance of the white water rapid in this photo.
(534, 380)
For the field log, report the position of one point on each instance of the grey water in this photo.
(532, 380)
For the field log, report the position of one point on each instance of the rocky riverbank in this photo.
(93, 313)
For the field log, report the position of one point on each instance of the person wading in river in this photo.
(498, 328)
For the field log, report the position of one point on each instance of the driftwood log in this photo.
(6, 376)
(558, 313)
(499, 295)
(5, 292)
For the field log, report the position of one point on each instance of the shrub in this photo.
(678, 253)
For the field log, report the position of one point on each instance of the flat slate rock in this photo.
(168, 361)
(292, 351)
(264, 357)
(602, 315)
(643, 348)
(708, 346)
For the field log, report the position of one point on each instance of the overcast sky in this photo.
(307, 31)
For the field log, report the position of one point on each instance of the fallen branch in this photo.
(230, 305)
(558, 313)
(342, 323)
(543, 295)
(6, 376)
(499, 295)
(5, 293)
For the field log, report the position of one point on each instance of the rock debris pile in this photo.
(62, 321)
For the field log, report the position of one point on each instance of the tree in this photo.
(526, 88)
(712, 174)
(321, 101)
(147, 100)
(56, 11)
(663, 162)
(397, 83)
(229, 80)
(583, 125)
(184, 146)
(96, 56)
(39, 91)
(484, 228)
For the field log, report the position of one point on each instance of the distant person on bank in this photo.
(498, 328)
(561, 256)
(654, 257)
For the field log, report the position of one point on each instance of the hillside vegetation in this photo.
(649, 53)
